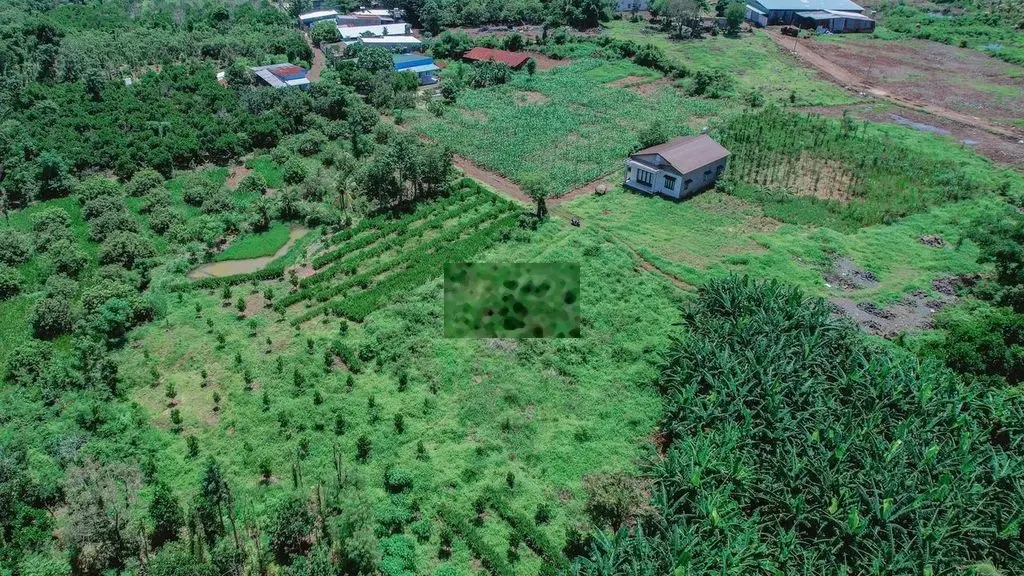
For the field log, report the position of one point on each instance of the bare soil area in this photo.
(546, 62)
(318, 61)
(648, 88)
(492, 179)
(627, 81)
(238, 173)
(914, 312)
(957, 84)
(994, 147)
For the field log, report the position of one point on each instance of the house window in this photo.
(644, 177)
(686, 184)
(670, 182)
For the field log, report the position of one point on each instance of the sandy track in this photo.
(318, 60)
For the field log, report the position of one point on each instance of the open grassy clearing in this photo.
(580, 132)
(757, 63)
(256, 245)
(715, 234)
(585, 410)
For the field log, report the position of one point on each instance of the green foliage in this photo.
(290, 526)
(324, 32)
(166, 515)
(15, 247)
(983, 27)
(758, 366)
(10, 282)
(489, 73)
(450, 44)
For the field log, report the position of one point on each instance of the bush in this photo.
(67, 258)
(143, 182)
(450, 44)
(95, 187)
(489, 73)
(51, 225)
(126, 249)
(10, 282)
(711, 83)
(295, 171)
(253, 183)
(15, 247)
(52, 317)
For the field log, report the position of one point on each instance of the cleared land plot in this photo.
(755, 61)
(960, 79)
(580, 130)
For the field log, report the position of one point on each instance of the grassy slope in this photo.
(714, 234)
(256, 245)
(754, 59)
(581, 132)
(549, 411)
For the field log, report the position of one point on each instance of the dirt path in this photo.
(318, 60)
(804, 51)
(238, 173)
(492, 179)
(586, 189)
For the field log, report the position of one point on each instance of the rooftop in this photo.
(391, 40)
(351, 32)
(317, 15)
(512, 59)
(688, 153)
(811, 5)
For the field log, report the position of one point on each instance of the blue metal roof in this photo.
(810, 5)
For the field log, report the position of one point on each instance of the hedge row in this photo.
(272, 271)
(494, 561)
(533, 536)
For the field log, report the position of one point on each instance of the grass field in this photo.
(256, 245)
(565, 126)
(715, 234)
(586, 407)
(757, 63)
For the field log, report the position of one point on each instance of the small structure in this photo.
(308, 19)
(282, 76)
(632, 5)
(678, 168)
(834, 21)
(419, 64)
(386, 16)
(355, 32)
(514, 60)
(359, 20)
(771, 12)
(395, 43)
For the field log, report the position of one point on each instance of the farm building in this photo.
(386, 16)
(514, 60)
(398, 43)
(355, 32)
(834, 21)
(632, 5)
(282, 76)
(308, 19)
(358, 20)
(422, 66)
(770, 12)
(678, 168)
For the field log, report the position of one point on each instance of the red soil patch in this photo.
(648, 88)
(546, 62)
(238, 173)
(492, 179)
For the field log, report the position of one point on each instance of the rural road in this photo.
(318, 60)
(804, 50)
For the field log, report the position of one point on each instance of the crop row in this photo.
(379, 226)
(493, 561)
(532, 536)
(271, 272)
(362, 304)
(426, 260)
(383, 241)
(364, 278)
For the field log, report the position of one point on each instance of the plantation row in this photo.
(381, 229)
(410, 268)
(394, 234)
(310, 288)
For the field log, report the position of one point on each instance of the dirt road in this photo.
(804, 50)
(318, 60)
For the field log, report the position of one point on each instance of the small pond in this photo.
(231, 267)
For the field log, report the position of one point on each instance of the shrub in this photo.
(15, 247)
(67, 258)
(51, 317)
(126, 249)
(295, 171)
(711, 83)
(10, 282)
(144, 181)
(95, 187)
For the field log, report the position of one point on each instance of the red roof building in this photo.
(514, 60)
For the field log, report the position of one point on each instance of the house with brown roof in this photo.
(514, 60)
(678, 168)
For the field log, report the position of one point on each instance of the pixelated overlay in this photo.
(501, 300)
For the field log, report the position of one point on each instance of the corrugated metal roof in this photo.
(391, 40)
(317, 15)
(688, 153)
(811, 5)
(833, 15)
(512, 59)
(353, 32)
(421, 68)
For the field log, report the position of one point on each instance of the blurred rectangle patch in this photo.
(533, 300)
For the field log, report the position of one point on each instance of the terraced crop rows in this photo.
(368, 264)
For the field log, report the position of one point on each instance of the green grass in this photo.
(580, 130)
(256, 245)
(266, 167)
(549, 411)
(756, 62)
(714, 234)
